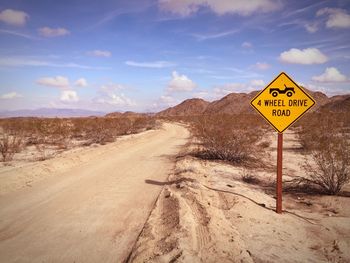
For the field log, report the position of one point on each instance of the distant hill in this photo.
(186, 108)
(129, 114)
(319, 97)
(232, 103)
(50, 113)
(337, 104)
(236, 103)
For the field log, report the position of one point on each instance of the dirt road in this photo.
(92, 212)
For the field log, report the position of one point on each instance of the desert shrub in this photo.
(95, 130)
(51, 131)
(9, 145)
(103, 130)
(248, 177)
(265, 144)
(327, 141)
(143, 123)
(58, 132)
(41, 149)
(317, 127)
(38, 130)
(331, 170)
(231, 138)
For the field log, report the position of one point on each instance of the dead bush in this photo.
(41, 148)
(326, 140)
(143, 123)
(321, 127)
(230, 138)
(265, 144)
(51, 134)
(100, 131)
(9, 145)
(248, 177)
(331, 168)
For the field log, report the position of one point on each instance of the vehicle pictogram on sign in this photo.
(282, 102)
(287, 90)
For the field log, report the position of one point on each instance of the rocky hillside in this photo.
(236, 103)
(127, 114)
(337, 104)
(232, 103)
(186, 108)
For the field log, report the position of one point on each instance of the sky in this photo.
(147, 55)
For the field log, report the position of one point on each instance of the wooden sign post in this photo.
(279, 173)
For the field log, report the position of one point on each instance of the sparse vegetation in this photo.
(9, 145)
(231, 138)
(248, 177)
(326, 139)
(63, 133)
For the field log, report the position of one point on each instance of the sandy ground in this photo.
(207, 213)
(87, 205)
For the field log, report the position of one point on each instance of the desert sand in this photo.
(88, 205)
(145, 198)
(207, 213)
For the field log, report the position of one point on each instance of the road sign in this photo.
(282, 102)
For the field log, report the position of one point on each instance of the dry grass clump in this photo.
(9, 145)
(231, 138)
(326, 138)
(47, 134)
(248, 177)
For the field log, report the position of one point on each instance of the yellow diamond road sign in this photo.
(282, 102)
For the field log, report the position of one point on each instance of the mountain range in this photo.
(236, 103)
(51, 113)
(233, 103)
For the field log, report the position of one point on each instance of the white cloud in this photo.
(57, 82)
(13, 17)
(109, 94)
(53, 32)
(19, 62)
(337, 18)
(18, 34)
(69, 96)
(330, 75)
(247, 45)
(81, 82)
(115, 99)
(202, 95)
(167, 100)
(220, 7)
(112, 87)
(223, 90)
(28, 61)
(327, 89)
(202, 37)
(306, 56)
(180, 7)
(164, 101)
(155, 64)
(262, 66)
(311, 27)
(11, 95)
(180, 83)
(100, 53)
(259, 83)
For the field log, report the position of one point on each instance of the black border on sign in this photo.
(251, 102)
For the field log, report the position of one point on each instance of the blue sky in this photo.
(147, 55)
